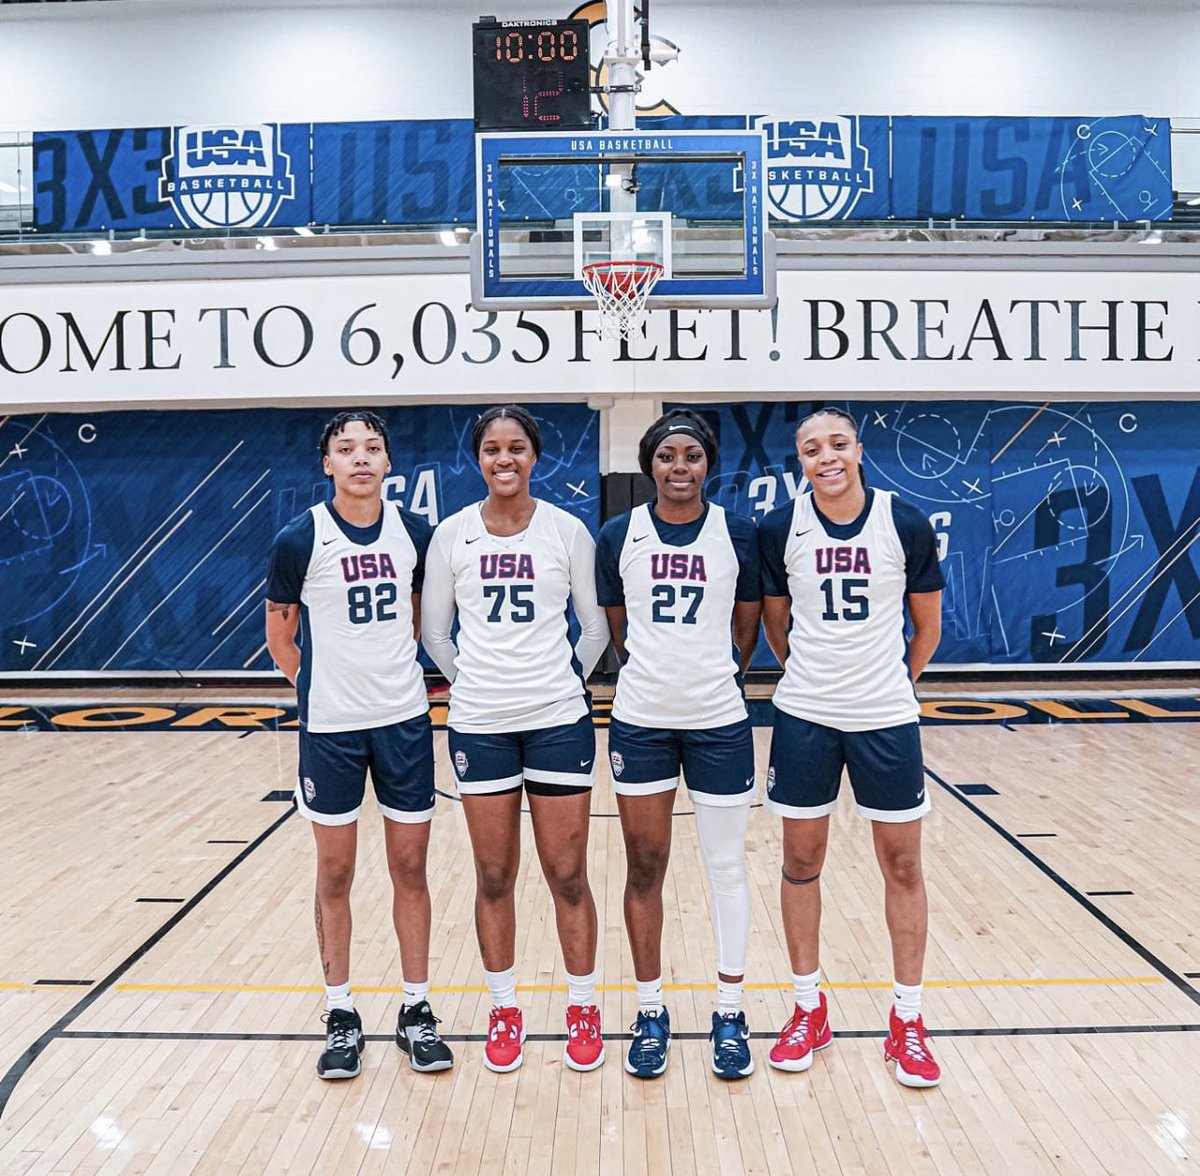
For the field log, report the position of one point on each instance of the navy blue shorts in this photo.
(717, 762)
(885, 767)
(551, 761)
(334, 766)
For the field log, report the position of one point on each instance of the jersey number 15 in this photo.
(857, 602)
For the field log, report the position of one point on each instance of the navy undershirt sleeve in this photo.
(922, 571)
(420, 532)
(744, 536)
(772, 546)
(288, 563)
(610, 590)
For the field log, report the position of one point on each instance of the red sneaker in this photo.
(807, 1032)
(907, 1047)
(506, 1032)
(585, 1047)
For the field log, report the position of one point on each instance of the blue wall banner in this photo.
(421, 172)
(393, 173)
(1040, 169)
(139, 540)
(248, 176)
(1067, 532)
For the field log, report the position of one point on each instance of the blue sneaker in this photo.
(731, 1046)
(647, 1056)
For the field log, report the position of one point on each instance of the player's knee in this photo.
(645, 869)
(567, 882)
(334, 879)
(727, 874)
(902, 868)
(408, 873)
(494, 883)
(803, 867)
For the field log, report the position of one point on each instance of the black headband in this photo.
(670, 428)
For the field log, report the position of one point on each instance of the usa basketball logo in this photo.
(310, 790)
(460, 762)
(226, 177)
(770, 778)
(815, 170)
(618, 762)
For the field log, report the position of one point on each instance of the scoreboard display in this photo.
(531, 75)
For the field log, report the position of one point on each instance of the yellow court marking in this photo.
(836, 985)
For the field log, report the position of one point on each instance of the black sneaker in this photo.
(417, 1036)
(343, 1043)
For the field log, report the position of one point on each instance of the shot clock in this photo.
(531, 75)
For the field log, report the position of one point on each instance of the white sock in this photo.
(581, 990)
(908, 1000)
(502, 987)
(808, 990)
(649, 994)
(337, 996)
(729, 998)
(414, 993)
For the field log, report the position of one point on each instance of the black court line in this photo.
(1106, 893)
(21, 1066)
(1037, 834)
(65, 983)
(158, 900)
(1167, 972)
(480, 1038)
(231, 841)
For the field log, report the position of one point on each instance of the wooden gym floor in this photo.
(160, 994)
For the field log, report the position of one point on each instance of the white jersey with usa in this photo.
(358, 666)
(679, 600)
(846, 665)
(511, 664)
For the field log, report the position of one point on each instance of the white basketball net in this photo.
(621, 289)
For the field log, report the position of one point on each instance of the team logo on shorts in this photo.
(460, 763)
(618, 763)
(227, 177)
(770, 777)
(310, 790)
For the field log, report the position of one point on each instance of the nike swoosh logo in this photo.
(584, 763)
(801, 534)
(921, 795)
(638, 538)
(477, 537)
(327, 542)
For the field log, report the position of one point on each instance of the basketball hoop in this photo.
(621, 289)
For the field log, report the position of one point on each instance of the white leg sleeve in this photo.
(722, 833)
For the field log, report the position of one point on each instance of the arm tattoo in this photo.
(286, 609)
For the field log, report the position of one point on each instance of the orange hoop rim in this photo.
(638, 272)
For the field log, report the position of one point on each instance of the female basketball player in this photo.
(348, 572)
(842, 565)
(680, 583)
(519, 716)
